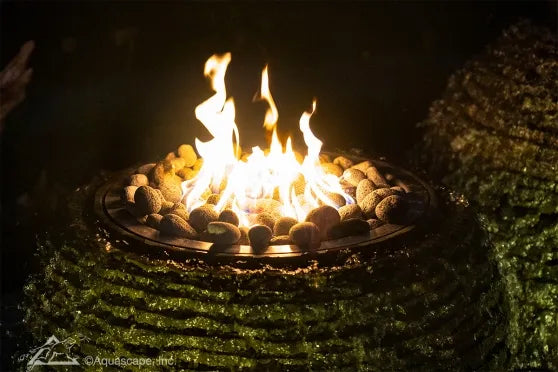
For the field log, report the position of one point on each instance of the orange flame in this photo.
(241, 183)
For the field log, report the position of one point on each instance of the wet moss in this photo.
(494, 136)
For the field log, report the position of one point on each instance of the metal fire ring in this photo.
(110, 210)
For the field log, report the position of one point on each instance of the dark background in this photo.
(116, 83)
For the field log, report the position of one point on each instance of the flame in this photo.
(243, 185)
(271, 115)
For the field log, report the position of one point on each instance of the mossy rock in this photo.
(494, 136)
(436, 302)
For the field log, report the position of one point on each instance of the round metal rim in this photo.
(109, 209)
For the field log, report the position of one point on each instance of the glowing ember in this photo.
(246, 183)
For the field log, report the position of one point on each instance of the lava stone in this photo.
(364, 188)
(202, 216)
(375, 176)
(138, 180)
(171, 188)
(283, 225)
(343, 162)
(172, 224)
(374, 223)
(349, 189)
(197, 164)
(213, 199)
(228, 215)
(158, 192)
(223, 232)
(186, 173)
(330, 168)
(147, 200)
(166, 206)
(363, 166)
(393, 209)
(325, 158)
(205, 194)
(353, 176)
(180, 210)
(335, 199)
(280, 240)
(323, 217)
(177, 164)
(244, 236)
(128, 193)
(259, 236)
(145, 169)
(349, 227)
(160, 171)
(350, 211)
(142, 219)
(271, 206)
(154, 220)
(370, 202)
(305, 234)
(187, 153)
(266, 219)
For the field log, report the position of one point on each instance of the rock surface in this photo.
(349, 227)
(259, 236)
(305, 234)
(323, 217)
(172, 224)
(202, 216)
(493, 136)
(147, 200)
(223, 232)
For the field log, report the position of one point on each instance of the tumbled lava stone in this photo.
(283, 225)
(154, 220)
(259, 236)
(228, 215)
(350, 211)
(147, 200)
(172, 224)
(393, 209)
(305, 234)
(323, 217)
(348, 227)
(266, 219)
(128, 193)
(202, 216)
(223, 232)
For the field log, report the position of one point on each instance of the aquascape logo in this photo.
(53, 353)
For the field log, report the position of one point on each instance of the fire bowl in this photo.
(403, 283)
(110, 209)
(417, 297)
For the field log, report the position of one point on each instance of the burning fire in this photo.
(243, 182)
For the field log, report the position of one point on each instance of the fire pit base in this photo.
(430, 300)
(112, 212)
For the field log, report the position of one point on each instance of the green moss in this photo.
(434, 304)
(494, 137)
